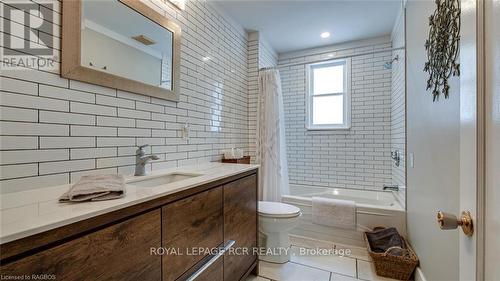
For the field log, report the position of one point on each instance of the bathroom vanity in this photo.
(156, 232)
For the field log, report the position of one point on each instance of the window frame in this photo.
(346, 94)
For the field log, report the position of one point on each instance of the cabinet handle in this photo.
(198, 272)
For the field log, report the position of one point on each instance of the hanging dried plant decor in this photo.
(442, 47)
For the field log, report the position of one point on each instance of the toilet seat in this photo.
(277, 210)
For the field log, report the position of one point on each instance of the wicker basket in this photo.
(397, 267)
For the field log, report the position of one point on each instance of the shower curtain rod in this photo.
(332, 58)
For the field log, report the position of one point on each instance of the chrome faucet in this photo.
(396, 156)
(141, 159)
(391, 187)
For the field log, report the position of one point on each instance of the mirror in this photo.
(122, 44)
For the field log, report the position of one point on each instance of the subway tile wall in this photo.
(398, 102)
(356, 158)
(54, 130)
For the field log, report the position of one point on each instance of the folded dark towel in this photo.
(382, 239)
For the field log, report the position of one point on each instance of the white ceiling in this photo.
(290, 25)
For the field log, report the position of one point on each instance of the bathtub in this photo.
(373, 208)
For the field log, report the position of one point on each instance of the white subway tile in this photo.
(115, 161)
(87, 153)
(93, 131)
(16, 185)
(66, 166)
(66, 94)
(112, 101)
(18, 114)
(34, 102)
(105, 142)
(93, 109)
(150, 124)
(131, 113)
(18, 171)
(66, 118)
(9, 142)
(91, 88)
(134, 132)
(115, 121)
(18, 86)
(132, 96)
(36, 76)
(33, 129)
(149, 107)
(31, 156)
(66, 142)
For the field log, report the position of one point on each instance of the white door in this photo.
(492, 140)
(470, 139)
(443, 145)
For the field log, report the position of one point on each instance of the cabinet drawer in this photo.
(193, 222)
(240, 225)
(118, 252)
(214, 273)
(210, 268)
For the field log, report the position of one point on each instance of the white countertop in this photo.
(34, 211)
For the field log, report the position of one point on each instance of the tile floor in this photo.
(308, 267)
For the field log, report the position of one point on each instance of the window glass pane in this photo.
(328, 80)
(328, 110)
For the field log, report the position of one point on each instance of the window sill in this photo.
(336, 128)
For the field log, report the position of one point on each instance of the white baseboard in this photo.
(419, 274)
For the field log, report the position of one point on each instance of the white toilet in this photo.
(275, 220)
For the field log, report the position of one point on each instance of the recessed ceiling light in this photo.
(325, 34)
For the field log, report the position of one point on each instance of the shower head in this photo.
(388, 65)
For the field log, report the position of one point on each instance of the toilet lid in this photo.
(277, 209)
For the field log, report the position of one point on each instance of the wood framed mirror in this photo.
(121, 44)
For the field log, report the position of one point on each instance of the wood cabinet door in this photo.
(214, 273)
(191, 223)
(240, 225)
(118, 252)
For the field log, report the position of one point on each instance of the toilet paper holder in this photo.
(449, 221)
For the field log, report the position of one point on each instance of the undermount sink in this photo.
(165, 179)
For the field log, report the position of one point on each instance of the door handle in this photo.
(220, 253)
(449, 221)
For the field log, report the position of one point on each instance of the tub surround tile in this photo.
(355, 158)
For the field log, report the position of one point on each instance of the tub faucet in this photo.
(391, 187)
(141, 159)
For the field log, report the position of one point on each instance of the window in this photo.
(329, 98)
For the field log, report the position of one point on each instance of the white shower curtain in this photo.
(271, 146)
